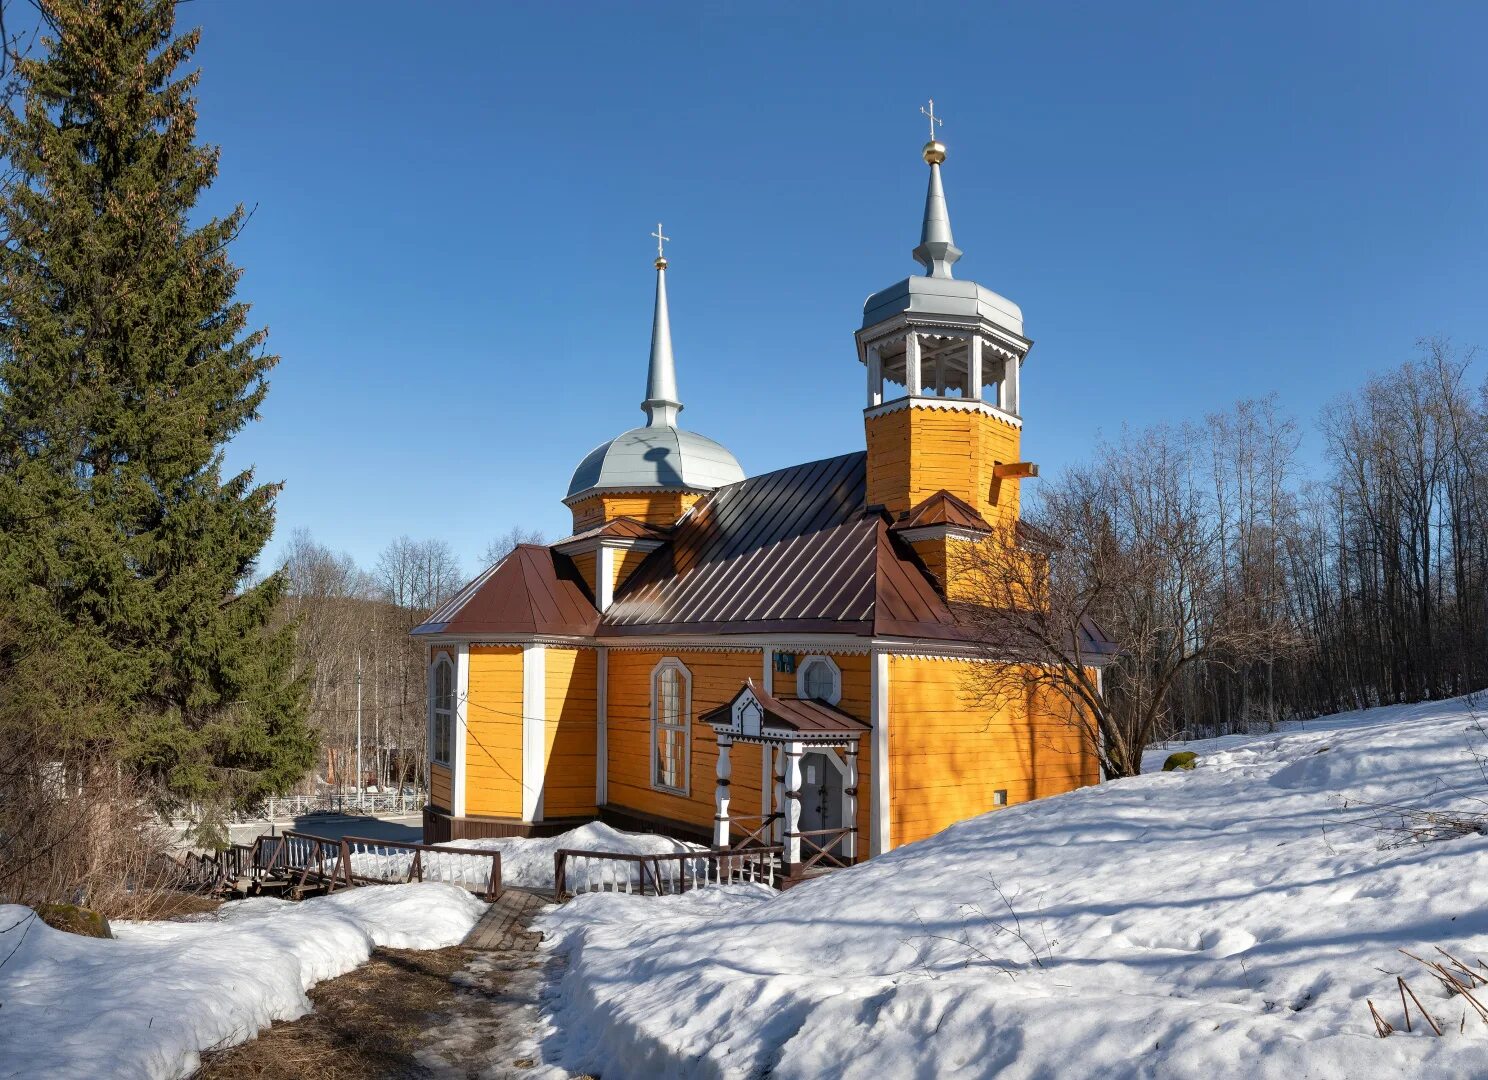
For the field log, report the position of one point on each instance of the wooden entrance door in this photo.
(821, 795)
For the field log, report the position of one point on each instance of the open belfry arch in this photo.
(706, 643)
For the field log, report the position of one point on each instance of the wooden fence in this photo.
(577, 872)
(305, 861)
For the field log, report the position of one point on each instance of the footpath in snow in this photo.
(1230, 921)
(145, 1004)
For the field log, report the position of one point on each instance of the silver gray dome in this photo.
(656, 457)
(947, 297)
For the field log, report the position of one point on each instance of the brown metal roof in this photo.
(790, 551)
(807, 717)
(621, 528)
(534, 590)
(943, 508)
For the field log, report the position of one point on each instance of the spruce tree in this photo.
(138, 636)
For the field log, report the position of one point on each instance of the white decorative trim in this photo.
(921, 401)
(461, 734)
(881, 839)
(896, 327)
(508, 640)
(672, 663)
(534, 734)
(602, 728)
(818, 658)
(942, 532)
(671, 489)
(589, 543)
(781, 642)
(669, 644)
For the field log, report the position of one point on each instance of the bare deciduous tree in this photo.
(503, 545)
(1134, 548)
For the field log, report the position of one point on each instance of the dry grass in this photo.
(367, 1023)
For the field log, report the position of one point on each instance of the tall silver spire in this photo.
(937, 251)
(661, 405)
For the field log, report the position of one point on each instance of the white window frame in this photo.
(671, 663)
(831, 665)
(435, 712)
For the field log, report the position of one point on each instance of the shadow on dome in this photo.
(666, 472)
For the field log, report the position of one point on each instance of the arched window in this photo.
(671, 726)
(441, 710)
(819, 679)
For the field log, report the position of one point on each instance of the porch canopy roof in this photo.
(753, 716)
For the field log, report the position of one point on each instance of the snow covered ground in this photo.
(1229, 921)
(148, 1002)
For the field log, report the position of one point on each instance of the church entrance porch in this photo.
(813, 750)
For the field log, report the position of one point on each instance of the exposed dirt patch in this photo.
(367, 1023)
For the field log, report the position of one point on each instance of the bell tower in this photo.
(943, 358)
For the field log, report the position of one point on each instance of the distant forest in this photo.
(349, 617)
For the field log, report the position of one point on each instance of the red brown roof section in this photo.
(623, 528)
(943, 508)
(807, 717)
(534, 590)
(790, 551)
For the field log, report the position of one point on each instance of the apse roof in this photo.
(534, 590)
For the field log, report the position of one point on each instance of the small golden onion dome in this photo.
(934, 152)
(661, 263)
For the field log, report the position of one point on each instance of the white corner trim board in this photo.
(461, 735)
(878, 706)
(534, 720)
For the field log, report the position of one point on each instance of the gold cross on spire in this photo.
(930, 112)
(659, 241)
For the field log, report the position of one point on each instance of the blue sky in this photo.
(1191, 202)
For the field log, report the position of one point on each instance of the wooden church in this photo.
(717, 656)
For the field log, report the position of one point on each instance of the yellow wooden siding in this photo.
(716, 678)
(493, 743)
(440, 792)
(655, 508)
(625, 563)
(584, 563)
(947, 758)
(915, 452)
(568, 775)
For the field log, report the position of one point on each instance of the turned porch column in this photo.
(777, 768)
(850, 789)
(792, 806)
(721, 794)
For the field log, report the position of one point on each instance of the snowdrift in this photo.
(1225, 922)
(148, 1002)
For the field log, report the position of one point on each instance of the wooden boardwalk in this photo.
(504, 926)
